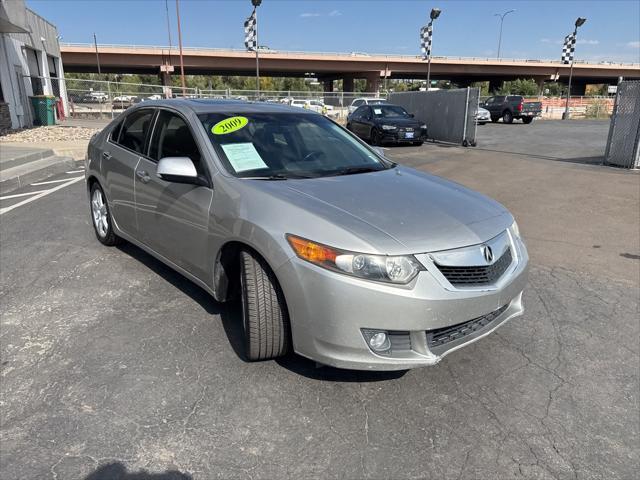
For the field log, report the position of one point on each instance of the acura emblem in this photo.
(487, 253)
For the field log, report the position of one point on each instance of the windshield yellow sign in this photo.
(229, 125)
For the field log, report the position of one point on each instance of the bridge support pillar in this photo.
(165, 77)
(347, 83)
(327, 84)
(494, 85)
(578, 89)
(373, 81)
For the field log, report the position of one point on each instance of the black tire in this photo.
(507, 117)
(527, 120)
(495, 119)
(264, 312)
(348, 126)
(107, 236)
(417, 144)
(376, 138)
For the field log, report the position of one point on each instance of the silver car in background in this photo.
(334, 251)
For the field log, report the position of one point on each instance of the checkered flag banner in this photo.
(568, 48)
(426, 33)
(250, 32)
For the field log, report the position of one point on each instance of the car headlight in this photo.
(515, 229)
(399, 269)
(389, 127)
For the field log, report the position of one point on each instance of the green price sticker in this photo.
(229, 125)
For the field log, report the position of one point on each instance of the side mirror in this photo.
(179, 170)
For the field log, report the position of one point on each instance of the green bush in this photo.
(597, 109)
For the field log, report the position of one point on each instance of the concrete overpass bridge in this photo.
(333, 66)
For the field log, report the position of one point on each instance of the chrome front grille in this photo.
(442, 336)
(473, 276)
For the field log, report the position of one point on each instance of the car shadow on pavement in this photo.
(117, 471)
(231, 317)
(185, 285)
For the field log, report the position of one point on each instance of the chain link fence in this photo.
(107, 99)
(623, 144)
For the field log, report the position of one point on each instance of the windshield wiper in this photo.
(277, 176)
(354, 170)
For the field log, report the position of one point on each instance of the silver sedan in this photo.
(333, 251)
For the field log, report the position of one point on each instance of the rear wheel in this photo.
(507, 117)
(264, 311)
(527, 120)
(495, 119)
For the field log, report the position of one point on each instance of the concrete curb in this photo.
(34, 171)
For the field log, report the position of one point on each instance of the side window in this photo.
(357, 103)
(358, 114)
(172, 138)
(499, 99)
(115, 133)
(134, 131)
(490, 100)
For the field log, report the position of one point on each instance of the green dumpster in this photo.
(44, 110)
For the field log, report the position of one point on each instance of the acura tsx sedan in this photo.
(334, 251)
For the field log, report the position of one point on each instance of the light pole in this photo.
(501, 15)
(256, 4)
(435, 13)
(579, 22)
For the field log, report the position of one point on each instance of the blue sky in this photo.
(465, 28)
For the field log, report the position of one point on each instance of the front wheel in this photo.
(102, 223)
(495, 119)
(527, 120)
(376, 138)
(264, 311)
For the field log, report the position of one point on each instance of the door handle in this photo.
(143, 176)
(106, 155)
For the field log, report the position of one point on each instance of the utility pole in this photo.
(184, 86)
(95, 43)
(501, 15)
(579, 22)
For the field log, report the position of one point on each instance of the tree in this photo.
(524, 87)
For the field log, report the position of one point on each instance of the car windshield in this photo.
(287, 145)
(389, 111)
(377, 102)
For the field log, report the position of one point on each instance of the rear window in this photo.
(514, 98)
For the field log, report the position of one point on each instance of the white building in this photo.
(30, 63)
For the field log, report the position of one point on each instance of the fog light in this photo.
(378, 340)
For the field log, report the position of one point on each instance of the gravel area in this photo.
(48, 134)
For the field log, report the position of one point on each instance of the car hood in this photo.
(421, 212)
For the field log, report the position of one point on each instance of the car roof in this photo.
(204, 105)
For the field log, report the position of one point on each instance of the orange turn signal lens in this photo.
(311, 251)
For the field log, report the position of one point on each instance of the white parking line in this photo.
(40, 195)
(77, 171)
(7, 197)
(50, 181)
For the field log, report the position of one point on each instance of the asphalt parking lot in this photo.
(113, 365)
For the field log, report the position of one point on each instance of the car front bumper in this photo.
(329, 312)
(419, 135)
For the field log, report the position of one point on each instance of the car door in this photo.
(490, 104)
(173, 218)
(120, 156)
(360, 126)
